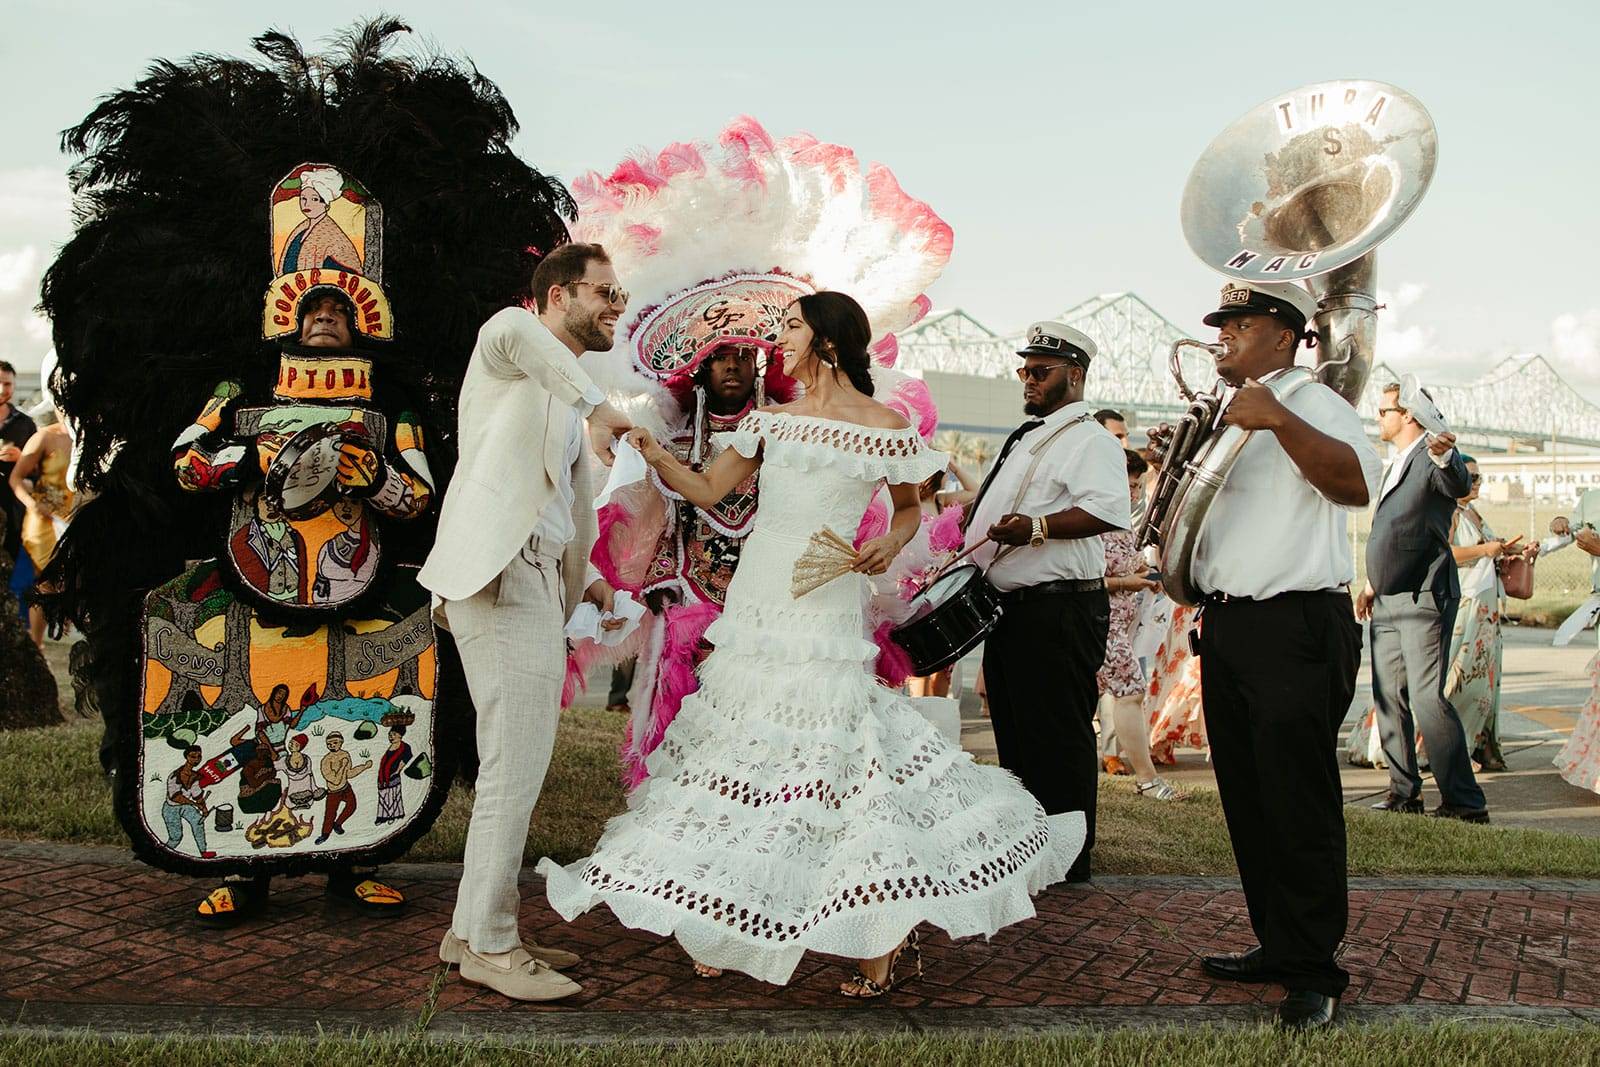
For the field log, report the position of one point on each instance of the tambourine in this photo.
(302, 475)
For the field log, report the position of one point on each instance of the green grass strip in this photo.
(1354, 1046)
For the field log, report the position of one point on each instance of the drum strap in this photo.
(1037, 451)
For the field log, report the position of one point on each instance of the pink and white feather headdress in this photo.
(711, 237)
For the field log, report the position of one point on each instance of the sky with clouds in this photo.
(1054, 137)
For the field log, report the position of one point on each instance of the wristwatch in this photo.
(1038, 532)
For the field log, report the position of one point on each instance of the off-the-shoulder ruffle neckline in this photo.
(857, 426)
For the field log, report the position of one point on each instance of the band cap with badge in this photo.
(1059, 339)
(1291, 303)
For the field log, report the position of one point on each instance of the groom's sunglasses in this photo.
(614, 294)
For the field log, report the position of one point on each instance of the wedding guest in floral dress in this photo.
(1473, 683)
(1578, 762)
(1172, 699)
(1121, 678)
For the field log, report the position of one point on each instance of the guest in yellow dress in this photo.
(39, 481)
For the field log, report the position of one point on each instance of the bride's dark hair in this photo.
(841, 335)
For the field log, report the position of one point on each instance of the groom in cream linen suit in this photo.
(507, 570)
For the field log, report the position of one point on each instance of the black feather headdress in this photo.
(158, 295)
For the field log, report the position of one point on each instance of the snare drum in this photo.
(948, 619)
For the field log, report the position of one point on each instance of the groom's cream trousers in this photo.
(513, 651)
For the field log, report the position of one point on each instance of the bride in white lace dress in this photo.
(795, 803)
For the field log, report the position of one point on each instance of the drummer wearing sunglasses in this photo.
(1060, 482)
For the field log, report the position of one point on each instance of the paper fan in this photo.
(826, 557)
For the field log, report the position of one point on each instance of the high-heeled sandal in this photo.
(1158, 788)
(867, 989)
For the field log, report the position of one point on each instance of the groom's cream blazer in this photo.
(511, 455)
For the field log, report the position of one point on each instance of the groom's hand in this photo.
(606, 424)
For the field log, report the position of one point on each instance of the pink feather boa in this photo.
(675, 679)
(944, 532)
(894, 665)
(874, 522)
(911, 398)
(607, 519)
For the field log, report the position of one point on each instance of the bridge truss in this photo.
(1522, 398)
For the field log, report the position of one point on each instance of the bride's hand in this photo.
(874, 556)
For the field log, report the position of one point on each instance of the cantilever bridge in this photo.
(1522, 399)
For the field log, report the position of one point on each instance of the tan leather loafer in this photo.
(522, 978)
(450, 952)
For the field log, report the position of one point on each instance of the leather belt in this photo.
(1055, 588)
(1227, 598)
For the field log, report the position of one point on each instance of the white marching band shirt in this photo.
(1083, 468)
(1269, 530)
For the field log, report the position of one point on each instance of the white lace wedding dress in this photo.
(796, 803)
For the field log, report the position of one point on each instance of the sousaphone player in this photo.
(1279, 645)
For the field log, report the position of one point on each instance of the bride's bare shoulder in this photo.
(882, 417)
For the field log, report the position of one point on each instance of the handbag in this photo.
(1516, 575)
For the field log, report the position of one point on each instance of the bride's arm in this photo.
(702, 490)
(874, 556)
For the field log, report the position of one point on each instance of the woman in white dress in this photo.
(795, 803)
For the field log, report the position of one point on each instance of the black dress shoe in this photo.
(1450, 811)
(1396, 802)
(1304, 1009)
(1244, 967)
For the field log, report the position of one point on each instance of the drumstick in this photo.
(964, 554)
(940, 572)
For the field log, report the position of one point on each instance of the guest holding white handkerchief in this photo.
(609, 627)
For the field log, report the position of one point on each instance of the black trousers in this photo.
(1039, 665)
(621, 682)
(1276, 678)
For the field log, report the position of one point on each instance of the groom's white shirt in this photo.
(513, 458)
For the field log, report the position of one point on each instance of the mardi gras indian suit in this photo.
(795, 803)
(288, 683)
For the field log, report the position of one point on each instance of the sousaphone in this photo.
(1302, 188)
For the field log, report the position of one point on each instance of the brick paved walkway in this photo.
(87, 928)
